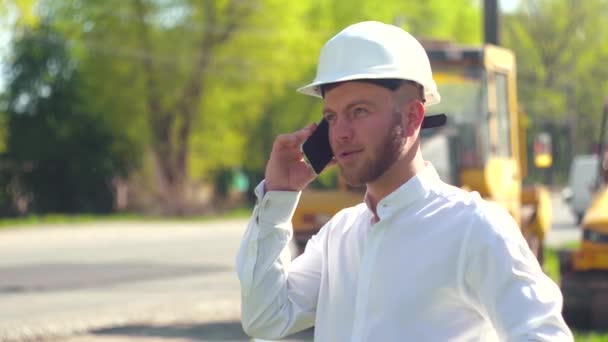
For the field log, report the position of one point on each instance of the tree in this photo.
(172, 122)
(63, 152)
(185, 73)
(561, 48)
(208, 84)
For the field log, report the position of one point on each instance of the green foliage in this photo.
(81, 220)
(64, 152)
(23, 11)
(551, 264)
(561, 48)
(590, 337)
(216, 80)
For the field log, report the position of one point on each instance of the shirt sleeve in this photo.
(278, 297)
(505, 281)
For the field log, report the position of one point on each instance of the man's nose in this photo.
(341, 130)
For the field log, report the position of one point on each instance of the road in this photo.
(119, 282)
(122, 279)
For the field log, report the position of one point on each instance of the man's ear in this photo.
(414, 113)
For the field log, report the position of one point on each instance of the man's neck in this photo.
(397, 175)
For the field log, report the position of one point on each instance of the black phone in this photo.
(317, 149)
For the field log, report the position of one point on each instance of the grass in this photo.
(590, 337)
(551, 267)
(551, 264)
(31, 220)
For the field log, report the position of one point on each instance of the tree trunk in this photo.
(172, 124)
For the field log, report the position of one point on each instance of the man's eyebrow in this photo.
(327, 111)
(360, 102)
(355, 103)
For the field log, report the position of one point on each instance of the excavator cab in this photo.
(477, 87)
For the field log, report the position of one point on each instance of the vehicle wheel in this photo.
(599, 311)
(586, 299)
(576, 309)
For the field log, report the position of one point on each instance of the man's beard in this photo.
(386, 153)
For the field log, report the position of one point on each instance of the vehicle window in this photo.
(464, 100)
(503, 146)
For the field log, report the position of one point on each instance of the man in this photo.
(419, 260)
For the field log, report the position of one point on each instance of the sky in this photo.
(508, 5)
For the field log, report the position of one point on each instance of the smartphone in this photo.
(317, 150)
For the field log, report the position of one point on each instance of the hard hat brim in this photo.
(314, 88)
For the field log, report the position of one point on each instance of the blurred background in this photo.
(169, 107)
(158, 113)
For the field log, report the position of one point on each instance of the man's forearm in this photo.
(262, 263)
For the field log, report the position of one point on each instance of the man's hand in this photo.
(286, 169)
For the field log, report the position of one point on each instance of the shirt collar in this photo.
(414, 189)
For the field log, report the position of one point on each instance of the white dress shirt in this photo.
(440, 264)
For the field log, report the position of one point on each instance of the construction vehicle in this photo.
(584, 271)
(481, 148)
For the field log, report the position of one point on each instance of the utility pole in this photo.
(490, 22)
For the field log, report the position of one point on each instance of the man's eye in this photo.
(330, 118)
(360, 111)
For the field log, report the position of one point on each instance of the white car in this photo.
(581, 184)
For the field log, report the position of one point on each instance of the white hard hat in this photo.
(373, 50)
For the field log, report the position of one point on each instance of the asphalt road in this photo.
(57, 280)
(135, 281)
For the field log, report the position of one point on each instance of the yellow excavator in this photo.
(584, 271)
(481, 148)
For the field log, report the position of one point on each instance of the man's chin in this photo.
(351, 178)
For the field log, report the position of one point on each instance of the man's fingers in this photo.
(286, 147)
(304, 133)
(295, 139)
(286, 139)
